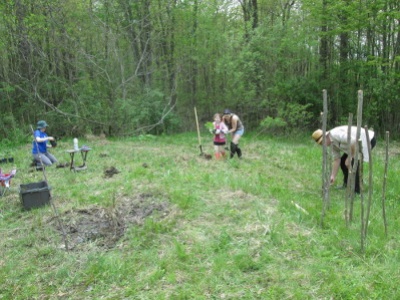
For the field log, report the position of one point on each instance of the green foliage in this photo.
(209, 126)
(296, 116)
(11, 131)
(125, 68)
(273, 125)
(148, 111)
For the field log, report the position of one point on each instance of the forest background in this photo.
(124, 67)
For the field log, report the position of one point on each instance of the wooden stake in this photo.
(57, 215)
(325, 169)
(363, 222)
(349, 178)
(370, 187)
(384, 182)
(357, 150)
(198, 131)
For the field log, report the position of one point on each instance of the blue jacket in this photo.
(42, 145)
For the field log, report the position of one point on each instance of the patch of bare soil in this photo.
(103, 227)
(110, 172)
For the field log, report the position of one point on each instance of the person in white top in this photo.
(337, 139)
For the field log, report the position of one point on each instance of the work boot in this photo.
(238, 151)
(233, 149)
(39, 167)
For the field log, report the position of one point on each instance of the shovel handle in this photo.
(198, 130)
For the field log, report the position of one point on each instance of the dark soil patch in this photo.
(103, 227)
(110, 172)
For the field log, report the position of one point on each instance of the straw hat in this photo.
(317, 136)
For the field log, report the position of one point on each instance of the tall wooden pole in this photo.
(355, 166)
(57, 215)
(325, 169)
(370, 186)
(362, 212)
(349, 183)
(198, 131)
(384, 182)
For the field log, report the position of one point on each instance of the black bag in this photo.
(53, 143)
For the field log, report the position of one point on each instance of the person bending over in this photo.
(337, 139)
(236, 128)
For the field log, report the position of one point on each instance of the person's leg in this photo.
(216, 151)
(41, 158)
(222, 150)
(357, 183)
(373, 143)
(357, 189)
(345, 171)
(233, 149)
(51, 157)
(238, 151)
(235, 139)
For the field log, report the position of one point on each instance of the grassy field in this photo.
(151, 219)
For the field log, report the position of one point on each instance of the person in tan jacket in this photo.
(337, 139)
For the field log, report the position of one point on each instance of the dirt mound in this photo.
(103, 227)
(110, 172)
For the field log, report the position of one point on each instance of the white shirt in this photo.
(338, 136)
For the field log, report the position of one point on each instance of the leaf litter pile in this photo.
(103, 227)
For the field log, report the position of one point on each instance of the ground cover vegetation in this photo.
(120, 67)
(152, 219)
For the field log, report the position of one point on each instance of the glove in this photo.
(217, 131)
(225, 131)
(214, 131)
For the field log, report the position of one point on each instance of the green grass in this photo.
(209, 230)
